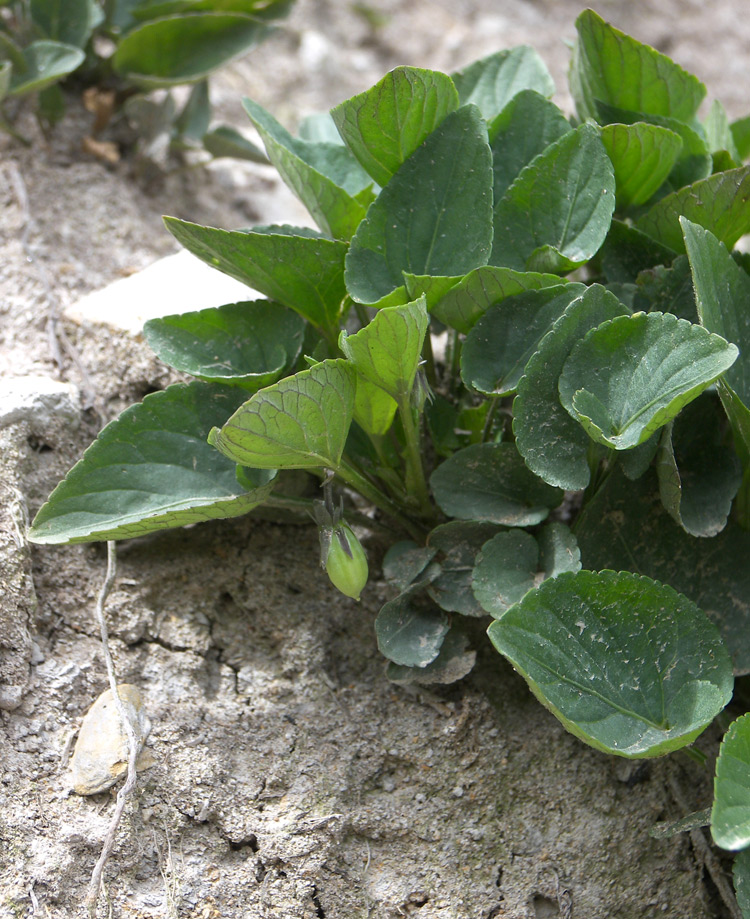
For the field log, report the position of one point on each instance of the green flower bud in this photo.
(346, 562)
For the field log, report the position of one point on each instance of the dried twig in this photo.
(122, 797)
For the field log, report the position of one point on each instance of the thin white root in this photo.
(122, 797)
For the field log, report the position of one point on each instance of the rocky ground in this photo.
(288, 778)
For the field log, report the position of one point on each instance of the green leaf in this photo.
(384, 125)
(184, 49)
(68, 21)
(374, 409)
(633, 374)
(556, 214)
(513, 563)
(408, 634)
(553, 445)
(319, 128)
(490, 482)
(698, 476)
(720, 203)
(642, 155)
(226, 141)
(626, 252)
(406, 561)
(527, 125)
(741, 877)
(298, 423)
(248, 344)
(667, 290)
(466, 301)
(192, 122)
(626, 526)
(741, 136)
(628, 665)
(151, 469)
(459, 543)
(453, 663)
(719, 134)
(694, 821)
(325, 177)
(493, 81)
(499, 346)
(6, 70)
(305, 273)
(730, 814)
(387, 351)
(260, 9)
(612, 67)
(442, 193)
(46, 62)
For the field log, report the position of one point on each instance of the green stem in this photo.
(305, 506)
(489, 419)
(368, 490)
(413, 456)
(429, 358)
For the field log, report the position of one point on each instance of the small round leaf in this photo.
(730, 815)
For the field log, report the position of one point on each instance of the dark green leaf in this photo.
(151, 469)
(226, 141)
(192, 122)
(527, 125)
(410, 635)
(493, 81)
(304, 273)
(720, 203)
(499, 346)
(626, 526)
(442, 193)
(459, 543)
(298, 423)
(260, 9)
(325, 177)
(384, 125)
(453, 663)
(631, 375)
(490, 482)
(556, 214)
(730, 814)
(68, 21)
(553, 445)
(625, 663)
(405, 561)
(610, 66)
(184, 49)
(667, 290)
(247, 344)
(46, 62)
(626, 252)
(642, 156)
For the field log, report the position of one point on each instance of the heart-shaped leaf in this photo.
(442, 193)
(458, 542)
(553, 445)
(627, 664)
(298, 423)
(247, 344)
(408, 634)
(730, 814)
(384, 125)
(151, 469)
(642, 155)
(556, 214)
(633, 374)
(493, 81)
(490, 482)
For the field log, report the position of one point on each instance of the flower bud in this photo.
(346, 562)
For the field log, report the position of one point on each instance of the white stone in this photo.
(179, 283)
(38, 400)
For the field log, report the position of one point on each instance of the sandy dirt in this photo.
(289, 778)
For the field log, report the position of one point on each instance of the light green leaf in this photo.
(68, 21)
(720, 203)
(493, 81)
(387, 351)
(698, 475)
(719, 135)
(626, 526)
(499, 346)
(730, 814)
(385, 124)
(325, 177)
(489, 482)
(553, 445)
(627, 664)
(612, 67)
(247, 344)
(556, 214)
(151, 469)
(741, 136)
(298, 423)
(184, 49)
(633, 374)
(408, 634)
(6, 70)
(442, 193)
(373, 407)
(527, 125)
(260, 9)
(642, 155)
(305, 273)
(467, 300)
(46, 62)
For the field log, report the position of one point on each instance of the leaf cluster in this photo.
(523, 339)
